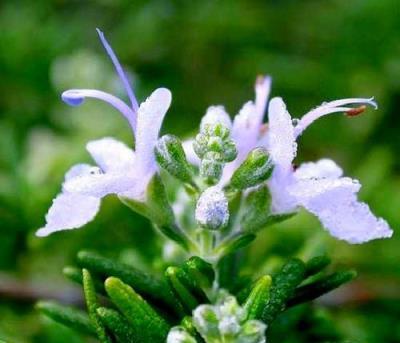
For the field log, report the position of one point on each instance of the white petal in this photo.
(216, 115)
(80, 170)
(307, 190)
(69, 211)
(111, 155)
(150, 117)
(245, 130)
(324, 168)
(247, 126)
(335, 203)
(244, 133)
(100, 185)
(279, 185)
(189, 152)
(247, 123)
(281, 140)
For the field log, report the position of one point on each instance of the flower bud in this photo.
(215, 115)
(171, 156)
(212, 209)
(253, 331)
(211, 168)
(205, 319)
(179, 335)
(256, 168)
(229, 150)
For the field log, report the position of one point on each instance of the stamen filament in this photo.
(75, 97)
(122, 75)
(332, 107)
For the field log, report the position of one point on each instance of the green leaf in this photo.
(68, 316)
(200, 271)
(283, 287)
(145, 321)
(118, 325)
(234, 243)
(171, 156)
(146, 284)
(228, 270)
(75, 275)
(256, 168)
(92, 305)
(179, 285)
(316, 264)
(315, 289)
(258, 298)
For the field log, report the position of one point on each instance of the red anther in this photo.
(356, 111)
(260, 79)
(263, 129)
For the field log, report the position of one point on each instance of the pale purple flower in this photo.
(318, 187)
(119, 170)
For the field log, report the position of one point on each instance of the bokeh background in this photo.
(206, 52)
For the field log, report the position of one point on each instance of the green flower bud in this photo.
(206, 321)
(200, 145)
(226, 322)
(216, 115)
(256, 168)
(211, 168)
(219, 130)
(230, 151)
(179, 335)
(171, 156)
(253, 331)
(215, 144)
(230, 307)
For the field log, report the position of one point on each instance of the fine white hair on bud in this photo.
(179, 335)
(212, 209)
(216, 115)
(226, 321)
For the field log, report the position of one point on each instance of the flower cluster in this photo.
(221, 147)
(236, 177)
(225, 321)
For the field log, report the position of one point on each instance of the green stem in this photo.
(206, 240)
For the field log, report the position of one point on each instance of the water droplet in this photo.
(95, 171)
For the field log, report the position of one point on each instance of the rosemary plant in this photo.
(236, 178)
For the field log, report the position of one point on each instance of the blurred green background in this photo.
(207, 52)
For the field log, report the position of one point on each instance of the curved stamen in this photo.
(328, 108)
(119, 70)
(75, 97)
